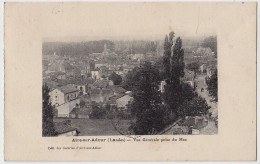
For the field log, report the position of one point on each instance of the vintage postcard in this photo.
(130, 81)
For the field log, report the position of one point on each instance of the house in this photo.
(81, 84)
(189, 78)
(209, 72)
(65, 109)
(63, 94)
(65, 98)
(100, 95)
(95, 74)
(162, 86)
(195, 122)
(100, 84)
(65, 129)
(123, 101)
(202, 68)
(100, 64)
(51, 84)
(117, 90)
(58, 75)
(55, 66)
(204, 51)
(63, 66)
(80, 112)
(72, 70)
(95, 55)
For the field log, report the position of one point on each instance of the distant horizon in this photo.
(119, 38)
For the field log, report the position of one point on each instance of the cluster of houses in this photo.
(189, 125)
(74, 80)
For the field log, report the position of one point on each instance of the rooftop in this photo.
(117, 89)
(101, 83)
(63, 127)
(67, 89)
(82, 111)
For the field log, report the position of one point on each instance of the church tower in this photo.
(105, 52)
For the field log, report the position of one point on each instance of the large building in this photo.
(65, 98)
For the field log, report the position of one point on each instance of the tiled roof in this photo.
(67, 89)
(101, 83)
(190, 121)
(51, 84)
(82, 111)
(81, 81)
(125, 98)
(63, 127)
(117, 89)
(95, 91)
(57, 73)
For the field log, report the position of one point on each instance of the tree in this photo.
(167, 57)
(194, 66)
(212, 83)
(149, 116)
(174, 70)
(195, 107)
(130, 80)
(98, 113)
(117, 79)
(47, 114)
(210, 42)
(187, 92)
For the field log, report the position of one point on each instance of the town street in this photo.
(211, 127)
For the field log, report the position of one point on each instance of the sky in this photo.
(125, 21)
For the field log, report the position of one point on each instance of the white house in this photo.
(162, 86)
(123, 101)
(95, 74)
(65, 98)
(202, 68)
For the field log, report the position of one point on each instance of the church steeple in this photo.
(105, 47)
(105, 52)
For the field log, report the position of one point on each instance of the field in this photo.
(95, 127)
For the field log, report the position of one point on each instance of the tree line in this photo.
(154, 110)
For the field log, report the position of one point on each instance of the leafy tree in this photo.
(159, 65)
(174, 70)
(194, 66)
(47, 114)
(130, 80)
(187, 92)
(145, 107)
(210, 42)
(167, 56)
(212, 83)
(195, 107)
(97, 112)
(117, 79)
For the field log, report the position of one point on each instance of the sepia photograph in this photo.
(160, 86)
(151, 81)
